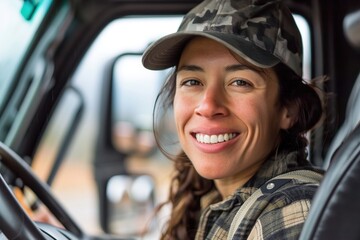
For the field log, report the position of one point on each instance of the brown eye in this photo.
(191, 82)
(241, 83)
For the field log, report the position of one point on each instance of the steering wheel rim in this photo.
(15, 163)
(14, 221)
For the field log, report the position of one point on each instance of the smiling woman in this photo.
(241, 111)
(81, 116)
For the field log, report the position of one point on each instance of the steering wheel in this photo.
(14, 222)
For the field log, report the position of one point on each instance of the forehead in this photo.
(201, 47)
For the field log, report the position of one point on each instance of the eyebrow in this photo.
(191, 68)
(237, 67)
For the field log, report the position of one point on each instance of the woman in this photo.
(241, 111)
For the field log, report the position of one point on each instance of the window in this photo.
(19, 23)
(304, 28)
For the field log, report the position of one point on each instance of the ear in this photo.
(288, 116)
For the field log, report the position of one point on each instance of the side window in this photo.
(132, 112)
(304, 28)
(59, 135)
(20, 21)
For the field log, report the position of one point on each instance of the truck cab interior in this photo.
(76, 116)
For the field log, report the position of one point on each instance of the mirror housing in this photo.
(131, 203)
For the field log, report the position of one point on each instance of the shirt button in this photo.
(270, 186)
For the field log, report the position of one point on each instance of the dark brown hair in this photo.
(188, 187)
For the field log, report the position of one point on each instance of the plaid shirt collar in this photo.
(218, 214)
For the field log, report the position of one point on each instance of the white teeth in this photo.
(211, 139)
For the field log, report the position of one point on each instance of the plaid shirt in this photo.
(280, 216)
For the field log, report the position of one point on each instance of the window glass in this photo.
(304, 28)
(19, 22)
(119, 37)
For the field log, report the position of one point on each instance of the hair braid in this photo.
(187, 188)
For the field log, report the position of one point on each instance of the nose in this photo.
(212, 104)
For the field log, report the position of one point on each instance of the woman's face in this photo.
(226, 111)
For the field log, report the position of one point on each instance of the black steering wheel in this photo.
(14, 222)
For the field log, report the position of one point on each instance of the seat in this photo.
(336, 206)
(352, 33)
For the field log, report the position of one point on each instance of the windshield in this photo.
(19, 21)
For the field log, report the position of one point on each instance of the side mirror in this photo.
(134, 93)
(126, 145)
(131, 201)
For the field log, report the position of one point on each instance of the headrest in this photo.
(351, 25)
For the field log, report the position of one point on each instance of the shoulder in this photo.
(281, 209)
(295, 195)
(283, 221)
(294, 191)
(286, 189)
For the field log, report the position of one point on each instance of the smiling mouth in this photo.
(213, 139)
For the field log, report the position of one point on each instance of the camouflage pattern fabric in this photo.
(263, 32)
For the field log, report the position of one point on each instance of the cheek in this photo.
(182, 110)
(249, 109)
(258, 112)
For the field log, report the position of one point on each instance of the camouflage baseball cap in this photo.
(262, 32)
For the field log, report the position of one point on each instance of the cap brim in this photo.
(166, 52)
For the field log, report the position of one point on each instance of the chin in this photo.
(211, 174)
